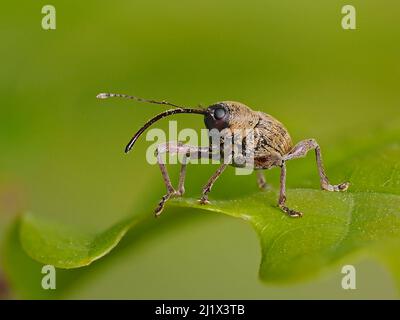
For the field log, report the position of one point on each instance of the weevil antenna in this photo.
(125, 96)
(164, 114)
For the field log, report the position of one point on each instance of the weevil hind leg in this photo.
(282, 196)
(301, 149)
(188, 152)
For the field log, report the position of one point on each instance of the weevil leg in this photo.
(208, 186)
(170, 189)
(164, 171)
(162, 202)
(189, 152)
(182, 174)
(261, 181)
(301, 149)
(282, 195)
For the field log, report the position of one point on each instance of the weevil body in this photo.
(271, 140)
(271, 146)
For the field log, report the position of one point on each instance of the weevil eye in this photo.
(217, 116)
(219, 113)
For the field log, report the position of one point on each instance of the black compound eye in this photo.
(219, 113)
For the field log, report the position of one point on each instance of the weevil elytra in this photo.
(271, 147)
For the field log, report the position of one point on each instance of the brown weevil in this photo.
(271, 146)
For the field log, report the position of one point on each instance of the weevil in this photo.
(271, 146)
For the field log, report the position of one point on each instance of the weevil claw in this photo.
(336, 187)
(158, 210)
(290, 212)
(343, 186)
(204, 201)
(164, 199)
(161, 204)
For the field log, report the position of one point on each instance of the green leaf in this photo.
(64, 247)
(336, 227)
(24, 274)
(364, 220)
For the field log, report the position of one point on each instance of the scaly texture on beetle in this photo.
(270, 146)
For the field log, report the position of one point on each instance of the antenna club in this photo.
(103, 96)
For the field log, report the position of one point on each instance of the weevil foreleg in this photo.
(282, 195)
(188, 152)
(301, 149)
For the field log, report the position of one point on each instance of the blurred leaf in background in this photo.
(62, 150)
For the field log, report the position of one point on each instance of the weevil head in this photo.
(229, 114)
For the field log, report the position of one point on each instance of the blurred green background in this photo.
(62, 150)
